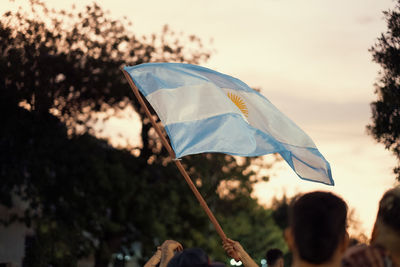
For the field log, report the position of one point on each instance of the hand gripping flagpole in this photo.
(177, 162)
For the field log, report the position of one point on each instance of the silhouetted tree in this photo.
(67, 64)
(385, 127)
(83, 196)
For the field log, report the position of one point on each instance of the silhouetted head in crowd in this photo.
(385, 241)
(317, 229)
(192, 257)
(274, 257)
(387, 225)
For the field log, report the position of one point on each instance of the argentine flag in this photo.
(206, 111)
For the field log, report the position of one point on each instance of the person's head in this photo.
(274, 257)
(317, 228)
(387, 226)
(192, 257)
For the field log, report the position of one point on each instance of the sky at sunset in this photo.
(309, 58)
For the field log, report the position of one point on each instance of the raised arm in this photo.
(155, 259)
(233, 246)
(167, 251)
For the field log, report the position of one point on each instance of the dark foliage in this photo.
(385, 127)
(80, 195)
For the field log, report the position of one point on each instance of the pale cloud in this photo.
(365, 19)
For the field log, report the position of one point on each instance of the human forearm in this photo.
(166, 256)
(154, 260)
(234, 248)
(246, 259)
(167, 251)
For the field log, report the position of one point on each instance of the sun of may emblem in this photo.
(238, 101)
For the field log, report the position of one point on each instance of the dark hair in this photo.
(389, 209)
(192, 257)
(273, 255)
(195, 257)
(318, 222)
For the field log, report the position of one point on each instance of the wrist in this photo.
(157, 255)
(241, 252)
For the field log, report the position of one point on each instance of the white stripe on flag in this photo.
(207, 100)
(198, 102)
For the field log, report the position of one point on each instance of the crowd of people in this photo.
(317, 237)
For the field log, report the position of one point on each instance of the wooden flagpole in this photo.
(177, 162)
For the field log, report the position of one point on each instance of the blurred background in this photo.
(84, 179)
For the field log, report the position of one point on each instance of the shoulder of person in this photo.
(368, 256)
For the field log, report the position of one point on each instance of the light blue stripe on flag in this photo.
(207, 111)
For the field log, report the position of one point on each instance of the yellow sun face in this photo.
(238, 101)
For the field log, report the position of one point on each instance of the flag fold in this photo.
(206, 111)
